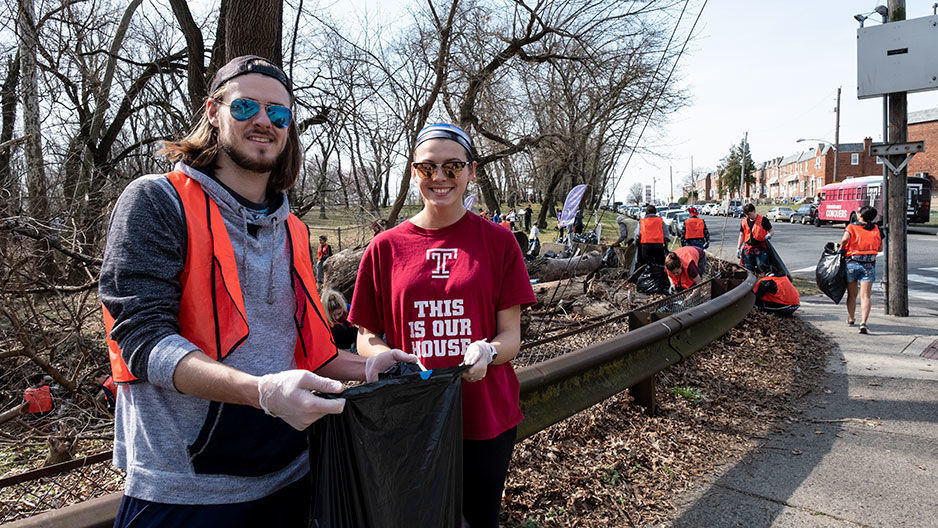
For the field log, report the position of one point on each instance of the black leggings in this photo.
(485, 466)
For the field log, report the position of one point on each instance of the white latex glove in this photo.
(375, 365)
(739, 252)
(478, 354)
(288, 395)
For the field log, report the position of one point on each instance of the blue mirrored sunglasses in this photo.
(243, 109)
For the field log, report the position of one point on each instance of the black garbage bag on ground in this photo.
(393, 458)
(610, 260)
(831, 274)
(653, 279)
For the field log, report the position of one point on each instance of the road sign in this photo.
(899, 56)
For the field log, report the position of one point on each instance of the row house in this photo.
(923, 126)
(802, 174)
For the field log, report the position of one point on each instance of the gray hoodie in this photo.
(178, 448)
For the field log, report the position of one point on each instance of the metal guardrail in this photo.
(561, 387)
(556, 388)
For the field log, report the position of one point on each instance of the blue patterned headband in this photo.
(444, 131)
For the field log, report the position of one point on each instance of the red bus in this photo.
(841, 202)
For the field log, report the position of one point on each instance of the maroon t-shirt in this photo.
(432, 292)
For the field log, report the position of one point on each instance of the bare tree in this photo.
(636, 194)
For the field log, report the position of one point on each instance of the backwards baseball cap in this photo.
(692, 210)
(445, 131)
(249, 64)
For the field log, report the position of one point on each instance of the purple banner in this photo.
(570, 205)
(468, 202)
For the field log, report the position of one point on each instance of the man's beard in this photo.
(240, 159)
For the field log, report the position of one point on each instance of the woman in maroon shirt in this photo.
(449, 286)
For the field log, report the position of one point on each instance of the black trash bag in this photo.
(653, 279)
(610, 259)
(550, 254)
(776, 264)
(831, 273)
(393, 458)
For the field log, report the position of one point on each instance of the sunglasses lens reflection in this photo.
(280, 116)
(244, 109)
(451, 169)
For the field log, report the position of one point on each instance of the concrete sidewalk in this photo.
(865, 452)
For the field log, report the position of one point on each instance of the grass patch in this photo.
(805, 287)
(693, 394)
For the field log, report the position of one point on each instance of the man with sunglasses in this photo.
(213, 323)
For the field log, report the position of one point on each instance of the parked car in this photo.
(805, 214)
(707, 208)
(738, 212)
(727, 207)
(779, 213)
(677, 223)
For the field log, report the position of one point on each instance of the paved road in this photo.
(800, 247)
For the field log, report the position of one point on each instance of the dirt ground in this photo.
(612, 465)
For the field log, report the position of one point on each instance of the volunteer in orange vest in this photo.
(861, 243)
(685, 266)
(217, 337)
(695, 231)
(653, 238)
(754, 230)
(39, 398)
(323, 252)
(108, 390)
(775, 294)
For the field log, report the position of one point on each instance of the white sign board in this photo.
(897, 57)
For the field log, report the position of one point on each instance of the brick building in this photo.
(923, 126)
(802, 174)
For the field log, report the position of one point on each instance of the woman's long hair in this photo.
(199, 148)
(332, 300)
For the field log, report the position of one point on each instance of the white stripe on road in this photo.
(914, 277)
(918, 294)
(929, 269)
(802, 270)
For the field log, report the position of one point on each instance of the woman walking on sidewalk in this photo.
(861, 243)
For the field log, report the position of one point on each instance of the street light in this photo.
(836, 152)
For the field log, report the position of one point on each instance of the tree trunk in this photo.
(195, 49)
(7, 121)
(341, 269)
(29, 87)
(254, 27)
(551, 269)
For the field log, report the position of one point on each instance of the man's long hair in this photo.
(199, 148)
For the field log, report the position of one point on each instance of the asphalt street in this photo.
(800, 246)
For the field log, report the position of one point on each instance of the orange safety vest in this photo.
(863, 242)
(652, 230)
(211, 308)
(39, 398)
(693, 228)
(786, 295)
(687, 254)
(321, 250)
(758, 232)
(109, 385)
(506, 225)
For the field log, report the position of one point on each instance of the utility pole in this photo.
(742, 165)
(898, 194)
(837, 136)
(693, 178)
(671, 183)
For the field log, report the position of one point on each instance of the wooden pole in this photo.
(898, 194)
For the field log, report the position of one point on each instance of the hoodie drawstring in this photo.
(270, 273)
(244, 249)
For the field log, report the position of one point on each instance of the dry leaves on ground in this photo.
(612, 465)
